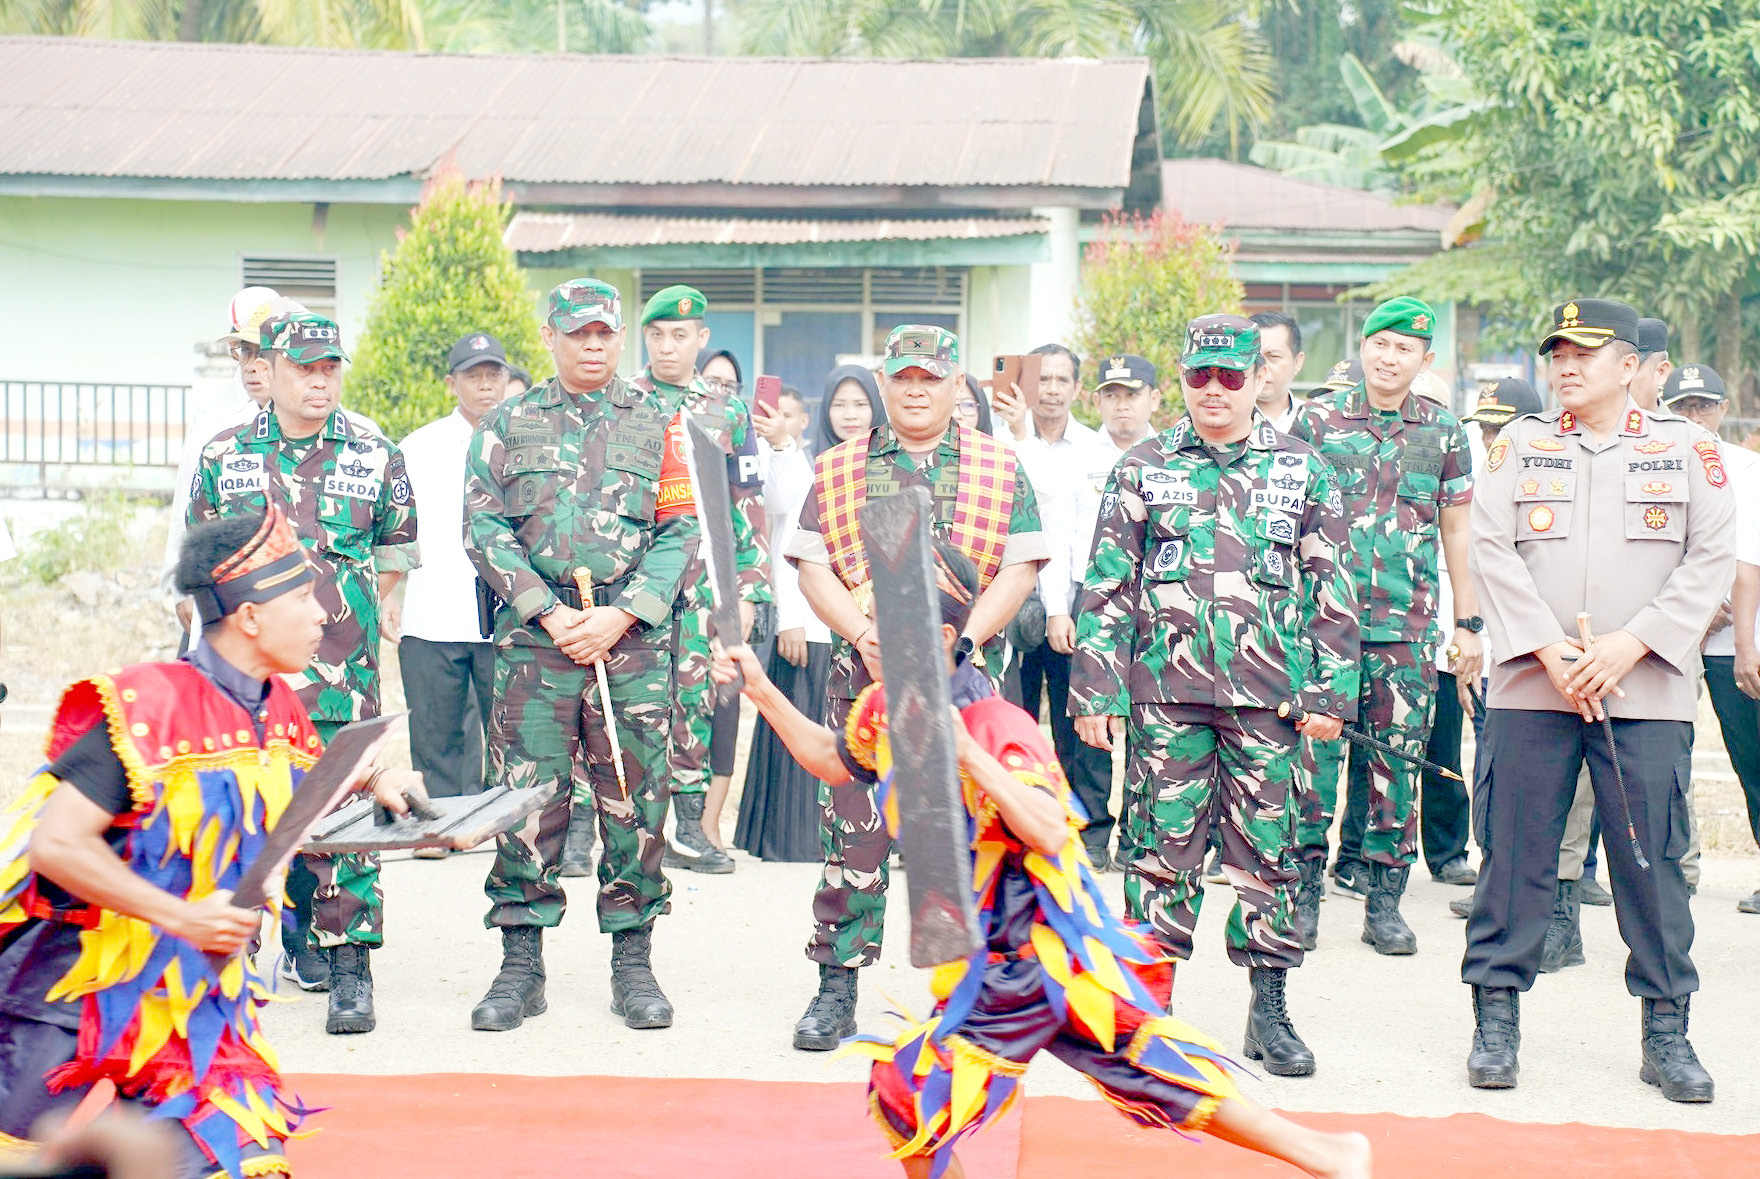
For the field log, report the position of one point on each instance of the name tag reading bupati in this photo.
(1167, 488)
(242, 474)
(1276, 499)
(357, 476)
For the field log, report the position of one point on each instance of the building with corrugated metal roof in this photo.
(817, 203)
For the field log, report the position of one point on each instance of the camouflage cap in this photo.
(675, 302)
(1405, 315)
(302, 337)
(1225, 341)
(935, 350)
(581, 301)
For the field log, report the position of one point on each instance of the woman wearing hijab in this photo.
(779, 810)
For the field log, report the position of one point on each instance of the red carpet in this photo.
(458, 1125)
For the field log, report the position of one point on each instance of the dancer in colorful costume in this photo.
(118, 861)
(1058, 971)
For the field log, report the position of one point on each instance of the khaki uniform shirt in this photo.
(1637, 529)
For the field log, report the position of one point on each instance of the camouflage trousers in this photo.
(546, 726)
(1397, 701)
(693, 698)
(849, 908)
(347, 904)
(1191, 767)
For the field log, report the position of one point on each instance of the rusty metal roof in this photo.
(1244, 197)
(546, 233)
(73, 108)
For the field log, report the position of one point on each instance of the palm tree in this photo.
(379, 24)
(1209, 64)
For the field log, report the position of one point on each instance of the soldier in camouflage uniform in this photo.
(672, 329)
(1405, 473)
(985, 506)
(348, 496)
(565, 478)
(1213, 595)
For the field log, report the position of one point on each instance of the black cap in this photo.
(1693, 380)
(1591, 323)
(1504, 401)
(474, 349)
(1652, 336)
(1128, 372)
(1346, 374)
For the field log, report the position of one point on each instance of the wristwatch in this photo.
(1475, 624)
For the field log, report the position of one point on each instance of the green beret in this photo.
(675, 302)
(1405, 315)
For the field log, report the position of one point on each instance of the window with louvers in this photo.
(312, 281)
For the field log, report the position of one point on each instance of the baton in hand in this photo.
(1291, 712)
(583, 581)
(1619, 778)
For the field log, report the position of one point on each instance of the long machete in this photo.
(708, 467)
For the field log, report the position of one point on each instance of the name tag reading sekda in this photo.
(357, 476)
(1162, 488)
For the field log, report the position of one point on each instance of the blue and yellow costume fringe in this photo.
(1100, 988)
(156, 1018)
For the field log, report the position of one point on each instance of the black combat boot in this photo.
(687, 832)
(518, 991)
(635, 993)
(1383, 927)
(1497, 1037)
(577, 849)
(1312, 873)
(1270, 1035)
(1669, 1060)
(1462, 907)
(351, 991)
(832, 1014)
(1564, 935)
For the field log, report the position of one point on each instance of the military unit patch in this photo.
(1712, 460)
(1499, 452)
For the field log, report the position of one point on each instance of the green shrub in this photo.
(1143, 279)
(100, 537)
(450, 274)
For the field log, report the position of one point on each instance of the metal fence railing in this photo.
(55, 425)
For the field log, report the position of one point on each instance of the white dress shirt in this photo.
(788, 477)
(1068, 478)
(440, 598)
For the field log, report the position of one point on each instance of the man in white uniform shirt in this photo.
(448, 663)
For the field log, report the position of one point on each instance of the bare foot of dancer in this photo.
(1325, 1156)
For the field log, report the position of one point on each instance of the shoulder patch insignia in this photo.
(1540, 519)
(1712, 460)
(1635, 421)
(1499, 452)
(1567, 421)
(1545, 444)
(1656, 447)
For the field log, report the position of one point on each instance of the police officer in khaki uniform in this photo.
(1598, 485)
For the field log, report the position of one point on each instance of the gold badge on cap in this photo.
(1421, 323)
(1567, 317)
(684, 305)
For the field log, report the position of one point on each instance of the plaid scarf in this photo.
(974, 502)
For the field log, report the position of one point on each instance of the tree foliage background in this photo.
(1143, 279)
(1613, 157)
(450, 274)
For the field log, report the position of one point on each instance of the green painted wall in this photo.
(124, 290)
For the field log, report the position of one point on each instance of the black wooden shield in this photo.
(708, 464)
(933, 831)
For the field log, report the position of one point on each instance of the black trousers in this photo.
(1089, 770)
(448, 687)
(1739, 718)
(1526, 779)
